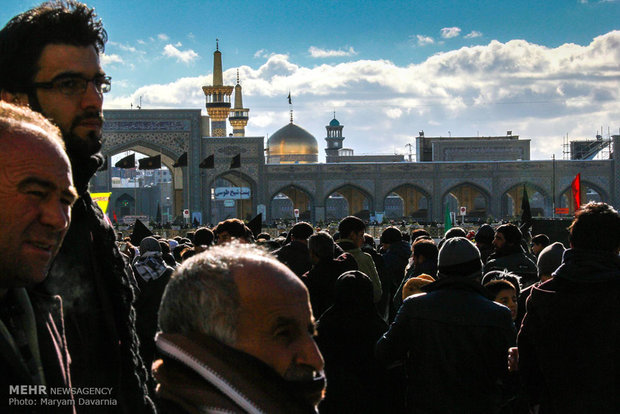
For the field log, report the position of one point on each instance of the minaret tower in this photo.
(238, 115)
(334, 138)
(218, 97)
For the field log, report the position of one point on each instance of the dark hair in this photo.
(419, 233)
(234, 227)
(203, 237)
(391, 235)
(497, 285)
(25, 36)
(542, 239)
(511, 233)
(370, 241)
(322, 245)
(514, 279)
(455, 232)
(596, 227)
(426, 248)
(350, 224)
(301, 230)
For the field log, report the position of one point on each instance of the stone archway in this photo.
(468, 195)
(407, 201)
(169, 133)
(283, 203)
(231, 194)
(348, 200)
(512, 200)
(589, 192)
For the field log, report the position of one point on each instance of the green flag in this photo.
(447, 220)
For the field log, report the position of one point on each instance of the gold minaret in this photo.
(238, 115)
(218, 97)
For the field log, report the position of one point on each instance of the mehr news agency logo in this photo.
(43, 396)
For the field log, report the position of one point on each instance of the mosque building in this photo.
(216, 175)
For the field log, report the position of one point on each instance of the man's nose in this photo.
(55, 214)
(310, 355)
(92, 98)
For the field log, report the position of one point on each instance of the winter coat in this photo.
(516, 261)
(455, 341)
(97, 287)
(48, 333)
(296, 256)
(201, 375)
(568, 343)
(365, 265)
(428, 267)
(321, 280)
(152, 276)
(347, 334)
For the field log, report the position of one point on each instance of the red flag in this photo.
(114, 213)
(576, 187)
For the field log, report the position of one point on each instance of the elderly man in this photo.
(237, 336)
(36, 194)
(49, 60)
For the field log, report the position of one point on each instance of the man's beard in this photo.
(83, 147)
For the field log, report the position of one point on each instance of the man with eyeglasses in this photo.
(49, 60)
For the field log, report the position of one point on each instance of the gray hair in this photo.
(21, 118)
(202, 297)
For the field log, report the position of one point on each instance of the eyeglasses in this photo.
(76, 85)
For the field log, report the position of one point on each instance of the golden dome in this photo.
(292, 144)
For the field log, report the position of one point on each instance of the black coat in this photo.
(455, 341)
(321, 280)
(347, 333)
(568, 343)
(296, 256)
(97, 286)
(53, 353)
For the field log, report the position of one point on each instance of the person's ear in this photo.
(16, 98)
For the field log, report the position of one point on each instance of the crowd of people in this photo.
(229, 321)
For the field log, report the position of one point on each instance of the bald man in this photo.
(237, 335)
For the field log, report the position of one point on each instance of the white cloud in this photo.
(473, 34)
(424, 40)
(186, 56)
(123, 47)
(260, 53)
(164, 37)
(178, 44)
(110, 59)
(141, 42)
(539, 93)
(450, 32)
(316, 52)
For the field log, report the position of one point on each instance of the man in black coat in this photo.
(454, 338)
(510, 256)
(568, 343)
(295, 253)
(321, 278)
(49, 60)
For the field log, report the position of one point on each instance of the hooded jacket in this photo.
(568, 343)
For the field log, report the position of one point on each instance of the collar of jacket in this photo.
(83, 170)
(457, 282)
(590, 266)
(244, 379)
(347, 244)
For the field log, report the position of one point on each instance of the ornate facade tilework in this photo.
(148, 125)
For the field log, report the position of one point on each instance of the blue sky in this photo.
(543, 69)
